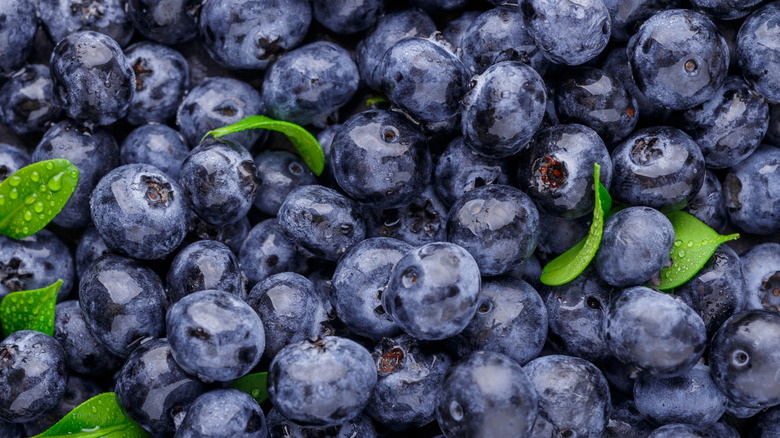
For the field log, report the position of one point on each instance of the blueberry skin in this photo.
(424, 77)
(421, 221)
(390, 29)
(659, 167)
(153, 390)
(12, 430)
(708, 205)
(17, 35)
(407, 386)
(767, 425)
(223, 413)
(290, 308)
(568, 32)
(12, 158)
(232, 235)
(347, 17)
(461, 169)
(165, 21)
(279, 173)
(628, 15)
(730, 125)
(139, 211)
(272, 27)
(625, 421)
(560, 234)
(486, 394)
(61, 18)
(90, 247)
(499, 34)
(655, 332)
(773, 132)
(726, 9)
(219, 181)
(122, 302)
(497, 224)
(750, 192)
(528, 271)
(511, 319)
(323, 382)
(321, 220)
(455, 28)
(84, 354)
(218, 102)
(205, 264)
(555, 378)
(215, 335)
(743, 358)
(267, 251)
(761, 268)
(679, 430)
(162, 77)
(155, 144)
(757, 55)
(77, 391)
(92, 80)
(556, 169)
(279, 426)
(35, 262)
(381, 159)
(359, 281)
(26, 103)
(678, 58)
(503, 109)
(433, 291)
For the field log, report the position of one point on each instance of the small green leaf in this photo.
(31, 197)
(30, 310)
(253, 384)
(99, 416)
(304, 142)
(377, 100)
(567, 266)
(694, 243)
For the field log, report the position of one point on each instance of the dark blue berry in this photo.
(419, 222)
(346, 17)
(232, 235)
(165, 21)
(83, 352)
(223, 413)
(17, 33)
(162, 77)
(757, 53)
(360, 426)
(681, 430)
(205, 264)
(267, 251)
(279, 173)
(26, 103)
(750, 192)
(35, 262)
(77, 391)
(63, 17)
(155, 144)
(708, 205)
(455, 29)
(628, 15)
(12, 158)
(761, 268)
(90, 247)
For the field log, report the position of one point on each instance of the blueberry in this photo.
(83, 352)
(91, 78)
(232, 235)
(323, 382)
(758, 57)
(767, 424)
(223, 413)
(486, 394)
(122, 302)
(679, 430)
(12, 159)
(750, 191)
(421, 221)
(627, 16)
(433, 291)
(708, 205)
(139, 211)
(90, 247)
(438, 6)
(26, 103)
(205, 264)
(155, 144)
(266, 251)
(360, 426)
(165, 21)
(497, 224)
(16, 37)
(162, 77)
(215, 335)
(773, 131)
(560, 234)
(77, 391)
(12, 430)
(33, 375)
(761, 269)
(61, 18)
(344, 17)
(528, 271)
(625, 421)
(455, 29)
(35, 262)
(279, 173)
(726, 9)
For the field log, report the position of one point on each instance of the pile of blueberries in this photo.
(398, 293)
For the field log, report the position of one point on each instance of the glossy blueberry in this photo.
(421, 221)
(568, 32)
(35, 262)
(122, 302)
(90, 247)
(768, 424)
(223, 413)
(503, 109)
(555, 378)
(528, 271)
(84, 354)
(162, 76)
(321, 220)
(559, 234)
(460, 169)
(33, 375)
(628, 15)
(625, 421)
(380, 158)
(279, 426)
(738, 411)
(433, 291)
(215, 335)
(232, 235)
(92, 80)
(744, 356)
(219, 181)
(325, 139)
(751, 192)
(17, 34)
(12, 158)
(556, 169)
(218, 102)
(165, 21)
(61, 18)
(155, 144)
(654, 331)
(726, 9)
(205, 264)
(681, 430)
(139, 211)
(730, 125)
(497, 224)
(253, 38)
(77, 391)
(279, 173)
(346, 17)
(455, 28)
(153, 390)
(659, 167)
(511, 319)
(757, 54)
(93, 151)
(390, 29)
(323, 382)
(761, 268)
(290, 308)
(486, 394)
(708, 205)
(26, 103)
(267, 251)
(408, 382)
(678, 58)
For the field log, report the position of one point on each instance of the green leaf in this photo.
(304, 142)
(99, 416)
(567, 266)
(377, 100)
(693, 245)
(31, 197)
(253, 384)
(30, 310)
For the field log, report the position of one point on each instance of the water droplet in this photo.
(13, 194)
(49, 166)
(35, 176)
(677, 242)
(681, 253)
(94, 409)
(690, 243)
(14, 181)
(28, 215)
(74, 174)
(55, 183)
(38, 207)
(41, 216)
(25, 230)
(30, 199)
(2, 199)
(256, 392)
(51, 203)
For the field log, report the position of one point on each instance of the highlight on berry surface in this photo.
(30, 310)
